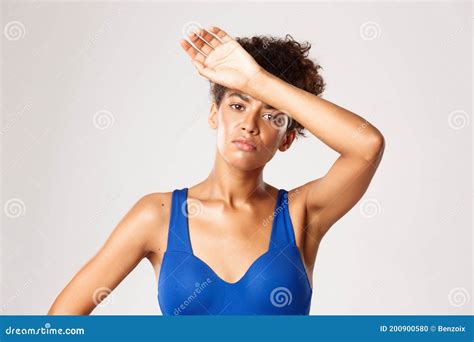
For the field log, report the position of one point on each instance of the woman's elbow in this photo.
(62, 307)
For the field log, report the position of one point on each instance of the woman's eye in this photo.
(270, 116)
(236, 104)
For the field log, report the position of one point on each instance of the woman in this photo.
(234, 244)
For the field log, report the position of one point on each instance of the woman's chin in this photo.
(244, 162)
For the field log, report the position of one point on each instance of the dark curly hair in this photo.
(284, 58)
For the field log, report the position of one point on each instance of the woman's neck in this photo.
(232, 185)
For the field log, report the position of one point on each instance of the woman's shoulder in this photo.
(149, 210)
(154, 205)
(152, 212)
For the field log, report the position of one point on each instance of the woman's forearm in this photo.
(340, 129)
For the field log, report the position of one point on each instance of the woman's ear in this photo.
(212, 119)
(287, 140)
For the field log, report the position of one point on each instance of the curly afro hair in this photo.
(284, 58)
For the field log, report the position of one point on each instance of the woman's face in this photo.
(241, 116)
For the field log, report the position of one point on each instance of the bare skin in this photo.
(234, 201)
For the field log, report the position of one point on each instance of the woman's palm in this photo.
(220, 58)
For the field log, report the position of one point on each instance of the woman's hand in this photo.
(220, 58)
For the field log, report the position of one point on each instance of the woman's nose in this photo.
(250, 125)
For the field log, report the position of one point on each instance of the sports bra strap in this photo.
(178, 236)
(282, 233)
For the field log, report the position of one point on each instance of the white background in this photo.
(70, 69)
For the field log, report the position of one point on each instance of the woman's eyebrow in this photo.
(245, 98)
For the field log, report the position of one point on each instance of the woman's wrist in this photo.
(255, 85)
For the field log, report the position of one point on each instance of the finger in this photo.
(188, 48)
(197, 42)
(221, 34)
(200, 42)
(213, 39)
(192, 49)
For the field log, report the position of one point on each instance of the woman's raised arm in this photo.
(127, 245)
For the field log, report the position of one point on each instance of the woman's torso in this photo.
(229, 242)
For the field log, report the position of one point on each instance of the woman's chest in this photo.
(229, 242)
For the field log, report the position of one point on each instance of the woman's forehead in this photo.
(244, 97)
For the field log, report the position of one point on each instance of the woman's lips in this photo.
(243, 146)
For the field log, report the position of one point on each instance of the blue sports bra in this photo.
(275, 284)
